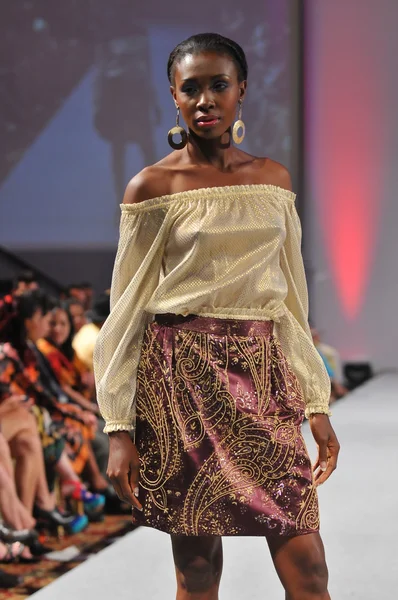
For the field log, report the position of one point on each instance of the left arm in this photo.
(306, 361)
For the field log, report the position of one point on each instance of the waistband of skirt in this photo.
(215, 326)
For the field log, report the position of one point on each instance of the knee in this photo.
(26, 442)
(314, 575)
(198, 576)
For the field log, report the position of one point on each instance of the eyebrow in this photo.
(212, 77)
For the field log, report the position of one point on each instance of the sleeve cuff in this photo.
(118, 426)
(317, 409)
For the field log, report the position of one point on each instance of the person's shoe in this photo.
(9, 536)
(53, 520)
(81, 500)
(8, 581)
(38, 549)
(113, 505)
(80, 522)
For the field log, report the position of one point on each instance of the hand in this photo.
(328, 447)
(94, 408)
(89, 419)
(14, 402)
(124, 467)
(91, 407)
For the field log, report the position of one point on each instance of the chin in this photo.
(210, 134)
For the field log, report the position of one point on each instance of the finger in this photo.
(126, 491)
(315, 466)
(116, 487)
(332, 464)
(317, 474)
(116, 482)
(134, 484)
(323, 455)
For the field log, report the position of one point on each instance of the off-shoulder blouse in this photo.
(224, 252)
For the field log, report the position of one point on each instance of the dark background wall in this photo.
(85, 104)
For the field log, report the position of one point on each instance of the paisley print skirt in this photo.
(219, 416)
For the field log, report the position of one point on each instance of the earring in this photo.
(177, 130)
(239, 124)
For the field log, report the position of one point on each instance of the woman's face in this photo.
(37, 326)
(78, 316)
(59, 327)
(207, 91)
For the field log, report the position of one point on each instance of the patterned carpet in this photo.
(96, 537)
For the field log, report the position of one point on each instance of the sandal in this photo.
(14, 554)
(9, 536)
(81, 500)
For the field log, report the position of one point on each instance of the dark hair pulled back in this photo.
(208, 42)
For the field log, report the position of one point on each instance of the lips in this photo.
(207, 121)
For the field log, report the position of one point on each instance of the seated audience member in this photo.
(23, 370)
(25, 282)
(332, 363)
(84, 341)
(76, 309)
(76, 291)
(73, 378)
(89, 292)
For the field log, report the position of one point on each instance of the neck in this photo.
(218, 152)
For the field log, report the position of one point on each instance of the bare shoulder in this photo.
(276, 174)
(151, 182)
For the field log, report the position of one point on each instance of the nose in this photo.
(205, 101)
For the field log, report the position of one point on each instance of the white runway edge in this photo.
(359, 507)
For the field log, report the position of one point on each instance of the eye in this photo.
(220, 86)
(189, 89)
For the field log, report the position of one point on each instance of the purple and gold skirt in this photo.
(219, 416)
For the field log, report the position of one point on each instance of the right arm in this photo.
(117, 352)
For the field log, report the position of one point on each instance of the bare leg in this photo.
(20, 430)
(93, 472)
(44, 498)
(198, 563)
(10, 504)
(14, 512)
(65, 470)
(26, 448)
(301, 566)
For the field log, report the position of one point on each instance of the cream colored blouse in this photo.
(226, 252)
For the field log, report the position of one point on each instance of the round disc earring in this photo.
(177, 130)
(239, 125)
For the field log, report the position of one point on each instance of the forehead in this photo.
(205, 65)
(60, 314)
(75, 310)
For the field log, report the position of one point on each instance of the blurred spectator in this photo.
(85, 339)
(332, 362)
(76, 382)
(24, 370)
(89, 292)
(75, 290)
(25, 282)
(76, 309)
(70, 371)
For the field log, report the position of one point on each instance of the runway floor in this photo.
(359, 507)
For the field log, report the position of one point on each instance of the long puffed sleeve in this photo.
(135, 277)
(293, 329)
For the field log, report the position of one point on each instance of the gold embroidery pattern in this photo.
(218, 433)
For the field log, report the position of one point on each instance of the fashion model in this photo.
(206, 368)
